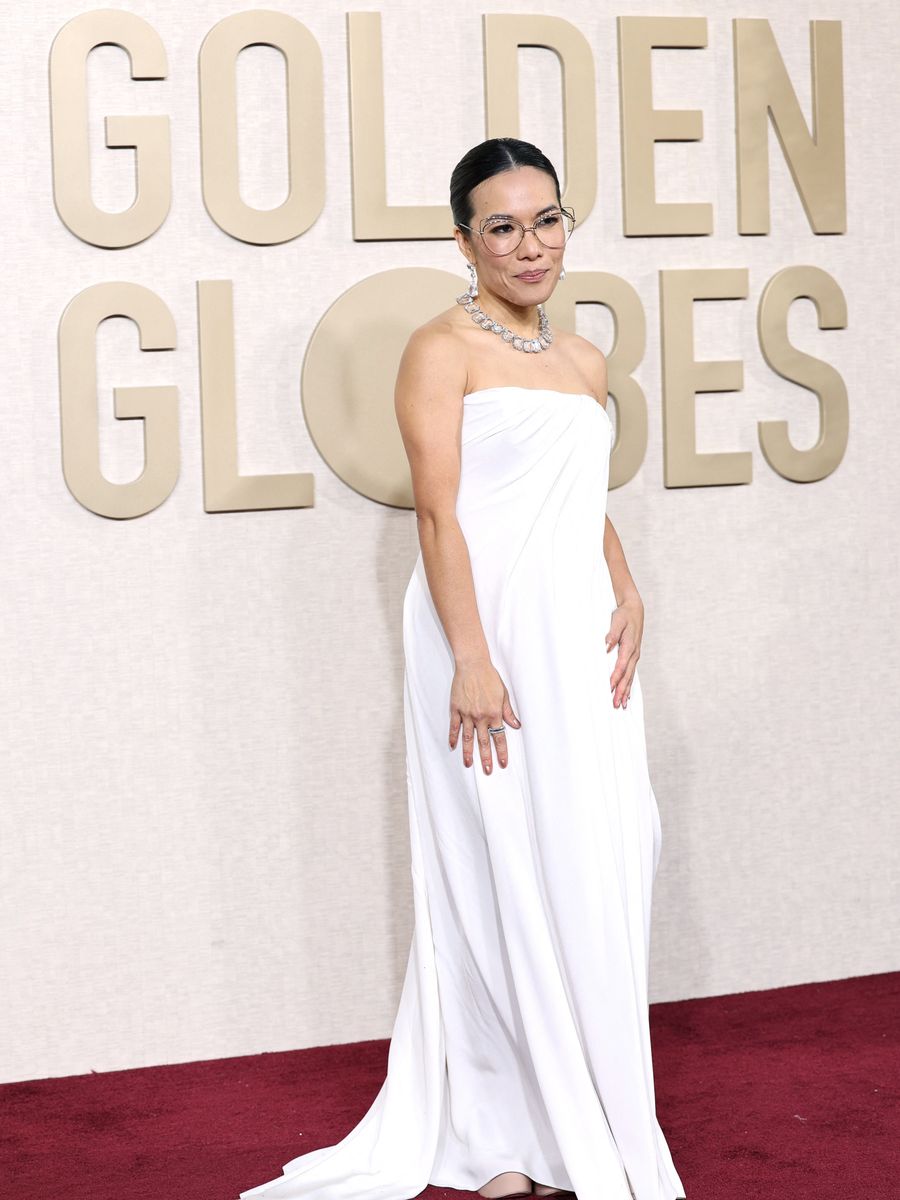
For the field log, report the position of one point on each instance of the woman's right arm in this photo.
(431, 382)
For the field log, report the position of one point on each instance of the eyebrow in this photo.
(510, 217)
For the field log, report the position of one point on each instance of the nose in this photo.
(532, 249)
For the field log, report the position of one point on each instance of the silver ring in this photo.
(500, 730)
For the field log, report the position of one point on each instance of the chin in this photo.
(535, 293)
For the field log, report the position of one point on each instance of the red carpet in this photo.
(792, 1093)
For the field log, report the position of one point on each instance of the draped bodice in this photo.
(533, 485)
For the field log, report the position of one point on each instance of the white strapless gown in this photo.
(522, 1041)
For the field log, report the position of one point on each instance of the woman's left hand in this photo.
(626, 628)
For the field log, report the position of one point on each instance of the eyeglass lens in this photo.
(504, 234)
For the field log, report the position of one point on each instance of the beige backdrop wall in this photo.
(204, 840)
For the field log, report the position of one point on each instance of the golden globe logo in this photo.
(351, 358)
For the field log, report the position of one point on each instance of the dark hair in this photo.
(492, 158)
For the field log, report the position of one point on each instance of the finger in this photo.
(484, 745)
(622, 662)
(468, 741)
(508, 714)
(625, 685)
(455, 722)
(500, 745)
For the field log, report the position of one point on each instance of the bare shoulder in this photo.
(431, 363)
(588, 359)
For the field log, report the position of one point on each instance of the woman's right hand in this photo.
(478, 699)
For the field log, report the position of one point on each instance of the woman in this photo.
(520, 1057)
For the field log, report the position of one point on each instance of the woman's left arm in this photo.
(627, 625)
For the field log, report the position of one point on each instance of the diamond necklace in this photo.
(528, 345)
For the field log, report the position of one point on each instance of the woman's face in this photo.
(528, 274)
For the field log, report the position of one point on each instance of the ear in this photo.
(465, 246)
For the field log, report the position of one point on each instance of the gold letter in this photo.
(148, 136)
(683, 377)
(218, 127)
(503, 35)
(629, 344)
(349, 373)
(158, 406)
(373, 218)
(642, 125)
(816, 162)
(787, 285)
(224, 490)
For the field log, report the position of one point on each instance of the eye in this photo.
(548, 220)
(501, 227)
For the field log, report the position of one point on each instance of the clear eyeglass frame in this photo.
(567, 213)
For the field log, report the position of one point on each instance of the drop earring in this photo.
(562, 274)
(473, 280)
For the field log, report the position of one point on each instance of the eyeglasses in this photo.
(502, 235)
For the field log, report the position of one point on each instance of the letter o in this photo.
(349, 371)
